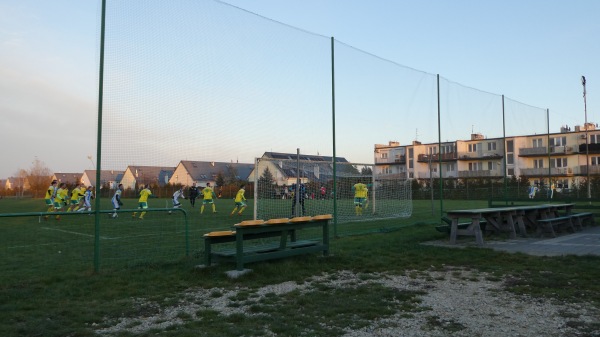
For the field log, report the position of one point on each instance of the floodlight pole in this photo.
(587, 151)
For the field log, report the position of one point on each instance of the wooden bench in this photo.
(445, 228)
(246, 233)
(580, 218)
(547, 225)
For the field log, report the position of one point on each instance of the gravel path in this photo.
(456, 302)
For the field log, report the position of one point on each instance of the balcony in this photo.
(425, 158)
(592, 148)
(478, 156)
(543, 171)
(594, 169)
(480, 174)
(401, 175)
(427, 175)
(399, 160)
(533, 151)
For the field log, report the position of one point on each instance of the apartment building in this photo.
(559, 157)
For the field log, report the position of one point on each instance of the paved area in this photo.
(584, 242)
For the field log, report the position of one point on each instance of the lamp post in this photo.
(587, 151)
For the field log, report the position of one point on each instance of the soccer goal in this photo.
(278, 195)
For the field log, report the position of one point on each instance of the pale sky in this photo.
(533, 52)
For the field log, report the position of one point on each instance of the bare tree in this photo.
(38, 176)
(18, 185)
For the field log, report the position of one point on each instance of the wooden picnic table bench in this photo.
(508, 219)
(248, 250)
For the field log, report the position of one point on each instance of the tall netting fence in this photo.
(194, 91)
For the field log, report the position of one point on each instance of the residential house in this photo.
(188, 172)
(146, 175)
(70, 179)
(286, 168)
(110, 178)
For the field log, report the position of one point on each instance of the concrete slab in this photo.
(585, 242)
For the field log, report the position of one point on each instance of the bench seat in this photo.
(264, 248)
(462, 225)
(580, 218)
(547, 225)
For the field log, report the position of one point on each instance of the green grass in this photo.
(60, 295)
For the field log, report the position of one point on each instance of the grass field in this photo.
(48, 287)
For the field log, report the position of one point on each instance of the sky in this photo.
(532, 52)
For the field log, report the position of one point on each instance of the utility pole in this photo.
(587, 151)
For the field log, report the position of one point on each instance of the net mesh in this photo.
(288, 188)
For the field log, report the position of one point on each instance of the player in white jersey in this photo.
(87, 200)
(116, 200)
(178, 194)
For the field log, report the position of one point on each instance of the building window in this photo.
(472, 147)
(595, 161)
(447, 149)
(538, 163)
(384, 155)
(538, 142)
(511, 172)
(562, 183)
(510, 159)
(491, 146)
(558, 162)
(594, 139)
(510, 146)
(558, 141)
(478, 166)
(450, 167)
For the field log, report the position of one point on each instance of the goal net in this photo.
(278, 195)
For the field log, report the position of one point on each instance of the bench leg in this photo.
(477, 230)
(239, 251)
(207, 253)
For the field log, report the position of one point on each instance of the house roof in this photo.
(151, 173)
(204, 170)
(293, 156)
(68, 177)
(105, 176)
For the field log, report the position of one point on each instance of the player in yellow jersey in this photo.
(145, 193)
(61, 196)
(76, 196)
(208, 195)
(49, 198)
(240, 201)
(360, 196)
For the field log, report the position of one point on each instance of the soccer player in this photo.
(61, 196)
(300, 193)
(360, 196)
(49, 199)
(88, 195)
(178, 194)
(240, 201)
(76, 196)
(145, 193)
(116, 200)
(193, 194)
(208, 195)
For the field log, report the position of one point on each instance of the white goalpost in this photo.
(275, 190)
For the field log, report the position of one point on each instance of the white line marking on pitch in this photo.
(76, 233)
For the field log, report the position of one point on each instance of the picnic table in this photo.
(504, 219)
